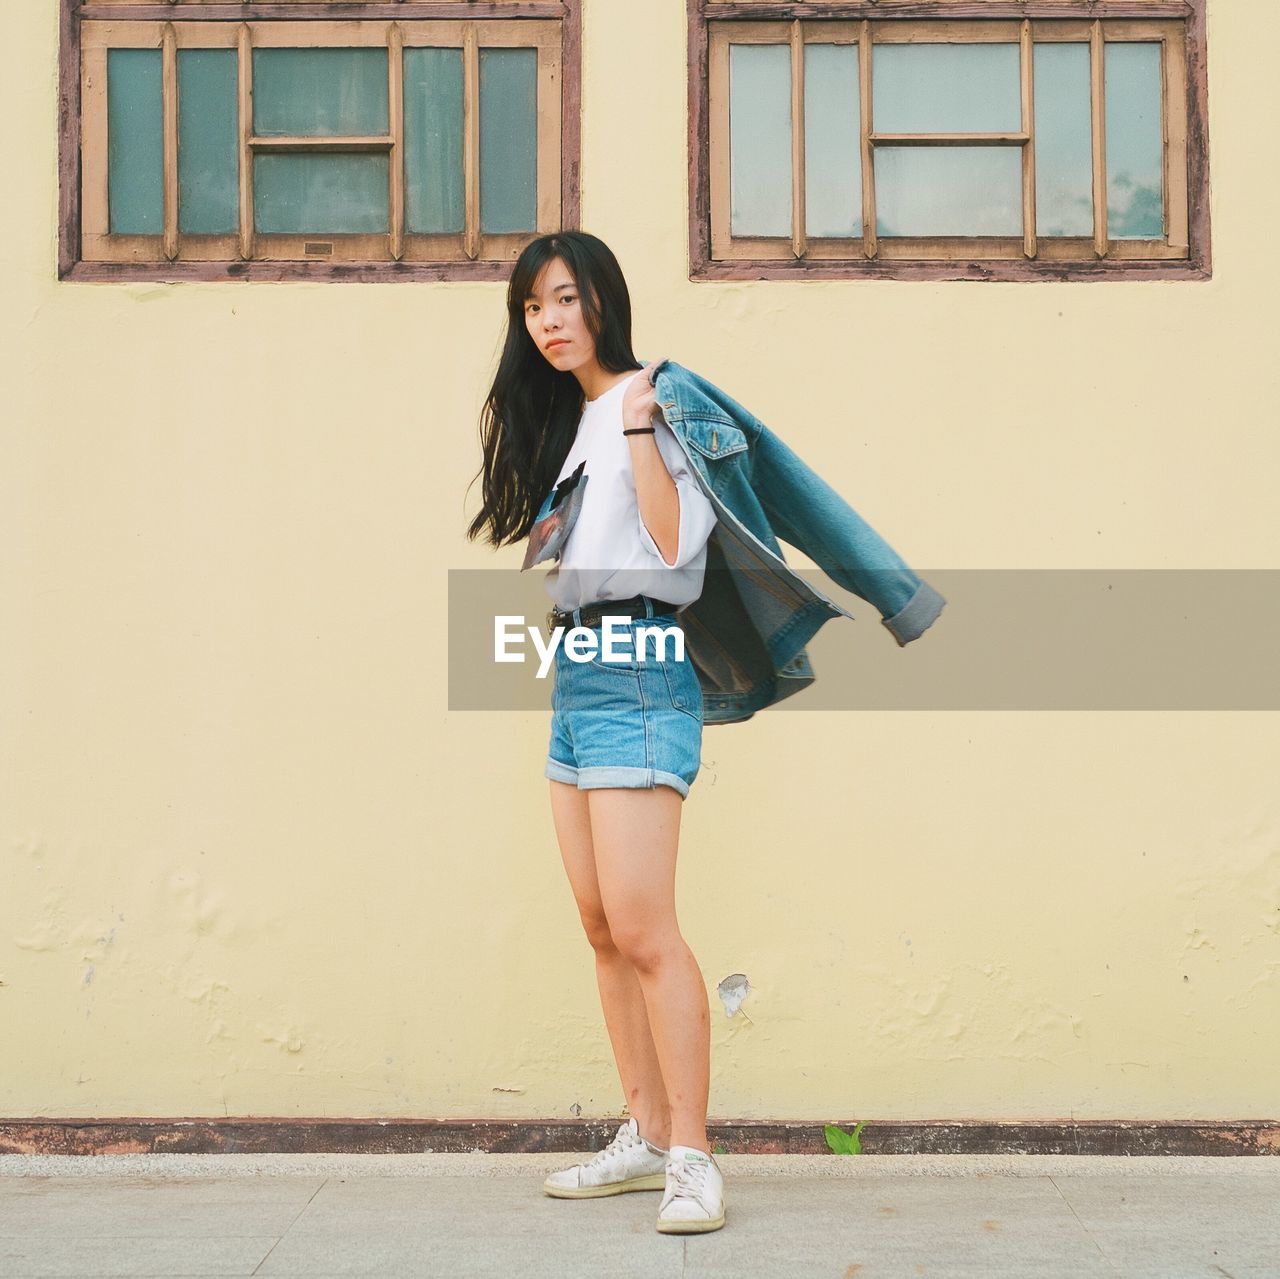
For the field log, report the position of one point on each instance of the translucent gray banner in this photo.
(1008, 639)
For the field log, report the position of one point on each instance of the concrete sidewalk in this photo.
(788, 1215)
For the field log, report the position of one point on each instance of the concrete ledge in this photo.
(482, 1165)
(132, 1135)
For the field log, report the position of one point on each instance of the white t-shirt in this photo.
(609, 554)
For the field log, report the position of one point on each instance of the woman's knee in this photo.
(596, 926)
(647, 948)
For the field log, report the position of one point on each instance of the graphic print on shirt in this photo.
(556, 518)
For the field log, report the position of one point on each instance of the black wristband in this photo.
(641, 430)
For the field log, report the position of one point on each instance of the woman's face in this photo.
(553, 315)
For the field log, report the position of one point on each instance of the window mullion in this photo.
(395, 117)
(1030, 247)
(245, 68)
(169, 127)
(869, 244)
(1098, 104)
(471, 139)
(1174, 109)
(1164, 133)
(798, 241)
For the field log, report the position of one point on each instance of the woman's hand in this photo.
(639, 402)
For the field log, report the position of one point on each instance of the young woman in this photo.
(578, 459)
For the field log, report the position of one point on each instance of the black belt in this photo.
(592, 614)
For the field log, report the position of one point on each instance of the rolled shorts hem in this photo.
(603, 776)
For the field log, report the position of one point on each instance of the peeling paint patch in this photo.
(732, 991)
(289, 1040)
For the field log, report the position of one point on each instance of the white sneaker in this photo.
(628, 1162)
(694, 1199)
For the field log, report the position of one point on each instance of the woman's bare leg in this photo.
(635, 833)
(623, 1001)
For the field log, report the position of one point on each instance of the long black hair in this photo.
(530, 417)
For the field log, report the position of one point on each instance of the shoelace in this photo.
(690, 1179)
(615, 1147)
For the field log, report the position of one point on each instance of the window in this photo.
(363, 148)
(1006, 146)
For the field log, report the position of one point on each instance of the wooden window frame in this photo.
(87, 252)
(1183, 253)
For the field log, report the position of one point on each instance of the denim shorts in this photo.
(629, 722)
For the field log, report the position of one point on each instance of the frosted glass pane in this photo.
(759, 139)
(320, 194)
(832, 140)
(319, 92)
(433, 196)
(946, 88)
(508, 140)
(1064, 140)
(1135, 143)
(208, 142)
(948, 191)
(135, 142)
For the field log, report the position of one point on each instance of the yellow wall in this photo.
(253, 865)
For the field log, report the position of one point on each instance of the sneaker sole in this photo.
(690, 1227)
(656, 1181)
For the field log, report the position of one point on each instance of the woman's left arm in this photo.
(656, 492)
(675, 517)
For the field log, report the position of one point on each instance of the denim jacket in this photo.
(747, 631)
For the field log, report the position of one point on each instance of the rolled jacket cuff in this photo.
(916, 616)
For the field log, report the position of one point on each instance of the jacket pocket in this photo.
(714, 438)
